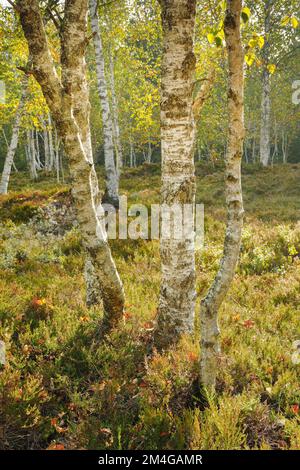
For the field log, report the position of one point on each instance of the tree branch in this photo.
(203, 93)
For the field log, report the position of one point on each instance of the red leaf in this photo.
(55, 446)
(295, 409)
(249, 324)
(192, 357)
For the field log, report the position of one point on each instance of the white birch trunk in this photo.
(265, 129)
(112, 180)
(210, 305)
(46, 150)
(177, 294)
(14, 141)
(69, 105)
(51, 146)
(32, 156)
(115, 114)
(37, 153)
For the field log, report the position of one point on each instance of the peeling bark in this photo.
(211, 303)
(177, 294)
(9, 160)
(69, 105)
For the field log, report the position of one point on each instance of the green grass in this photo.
(60, 387)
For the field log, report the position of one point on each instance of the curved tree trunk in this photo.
(178, 293)
(112, 180)
(69, 106)
(9, 160)
(217, 292)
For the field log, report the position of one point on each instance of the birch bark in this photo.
(14, 141)
(211, 303)
(265, 129)
(115, 114)
(69, 106)
(177, 294)
(112, 180)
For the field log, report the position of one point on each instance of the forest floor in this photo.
(61, 389)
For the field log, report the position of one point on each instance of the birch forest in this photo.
(149, 225)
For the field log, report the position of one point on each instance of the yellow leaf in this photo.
(246, 13)
(249, 59)
(271, 68)
(285, 21)
(294, 22)
(211, 38)
(261, 42)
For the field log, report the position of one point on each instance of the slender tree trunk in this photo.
(37, 153)
(112, 180)
(177, 294)
(246, 152)
(46, 150)
(265, 129)
(284, 146)
(131, 154)
(150, 150)
(57, 158)
(211, 303)
(51, 146)
(115, 114)
(253, 150)
(32, 156)
(69, 106)
(14, 141)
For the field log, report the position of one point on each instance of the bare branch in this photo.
(203, 93)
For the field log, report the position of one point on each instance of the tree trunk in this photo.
(115, 114)
(14, 141)
(177, 294)
(37, 153)
(253, 150)
(46, 150)
(69, 106)
(284, 146)
(211, 303)
(32, 156)
(112, 180)
(265, 129)
(51, 147)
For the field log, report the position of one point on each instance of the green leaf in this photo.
(218, 41)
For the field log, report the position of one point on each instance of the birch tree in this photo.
(9, 160)
(68, 102)
(115, 113)
(211, 303)
(177, 294)
(112, 180)
(265, 129)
